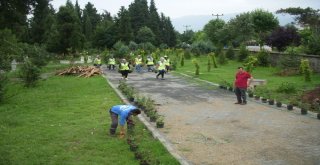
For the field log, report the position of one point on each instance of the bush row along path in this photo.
(206, 127)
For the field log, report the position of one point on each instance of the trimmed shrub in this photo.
(196, 64)
(263, 58)
(3, 83)
(230, 53)
(305, 69)
(222, 59)
(287, 87)
(243, 53)
(29, 73)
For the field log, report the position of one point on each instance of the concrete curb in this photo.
(155, 133)
(295, 110)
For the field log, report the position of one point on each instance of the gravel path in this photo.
(206, 128)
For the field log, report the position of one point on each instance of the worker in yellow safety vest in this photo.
(138, 63)
(111, 63)
(97, 62)
(161, 66)
(124, 68)
(150, 63)
(167, 62)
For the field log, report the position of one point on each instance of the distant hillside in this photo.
(197, 22)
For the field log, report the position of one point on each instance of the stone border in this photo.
(295, 110)
(155, 133)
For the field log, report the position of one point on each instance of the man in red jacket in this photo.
(241, 84)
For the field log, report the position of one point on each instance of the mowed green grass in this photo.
(65, 120)
(227, 72)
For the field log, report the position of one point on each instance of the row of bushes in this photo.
(147, 105)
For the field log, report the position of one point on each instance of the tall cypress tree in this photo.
(13, 15)
(167, 30)
(123, 24)
(68, 27)
(139, 14)
(39, 22)
(154, 22)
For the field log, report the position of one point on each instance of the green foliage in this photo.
(145, 34)
(147, 46)
(305, 69)
(9, 48)
(263, 58)
(3, 84)
(187, 54)
(209, 63)
(196, 64)
(289, 61)
(212, 29)
(243, 53)
(201, 47)
(133, 46)
(251, 62)
(182, 59)
(121, 50)
(214, 61)
(222, 59)
(29, 73)
(287, 87)
(36, 54)
(230, 53)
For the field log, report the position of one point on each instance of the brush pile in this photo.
(80, 71)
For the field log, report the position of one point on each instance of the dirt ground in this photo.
(206, 128)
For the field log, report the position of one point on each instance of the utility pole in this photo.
(217, 15)
(186, 26)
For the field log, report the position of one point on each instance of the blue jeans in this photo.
(241, 94)
(138, 68)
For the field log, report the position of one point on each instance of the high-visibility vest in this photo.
(97, 61)
(167, 62)
(138, 61)
(150, 61)
(124, 66)
(112, 61)
(162, 65)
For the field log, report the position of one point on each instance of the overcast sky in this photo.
(179, 8)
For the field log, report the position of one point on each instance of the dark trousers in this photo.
(161, 72)
(111, 65)
(124, 73)
(114, 123)
(241, 94)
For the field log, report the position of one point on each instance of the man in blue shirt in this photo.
(125, 112)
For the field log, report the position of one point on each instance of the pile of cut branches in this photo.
(80, 71)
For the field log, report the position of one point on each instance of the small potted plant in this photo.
(153, 116)
(293, 101)
(160, 122)
(304, 108)
(250, 92)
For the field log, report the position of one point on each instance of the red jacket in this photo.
(242, 79)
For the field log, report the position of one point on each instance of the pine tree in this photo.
(154, 22)
(39, 22)
(138, 14)
(123, 25)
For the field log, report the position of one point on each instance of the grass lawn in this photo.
(227, 72)
(65, 120)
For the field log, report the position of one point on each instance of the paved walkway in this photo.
(206, 128)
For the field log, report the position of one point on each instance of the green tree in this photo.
(241, 28)
(263, 22)
(168, 34)
(39, 21)
(145, 34)
(154, 22)
(9, 48)
(212, 28)
(139, 15)
(13, 15)
(123, 24)
(104, 35)
(68, 28)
